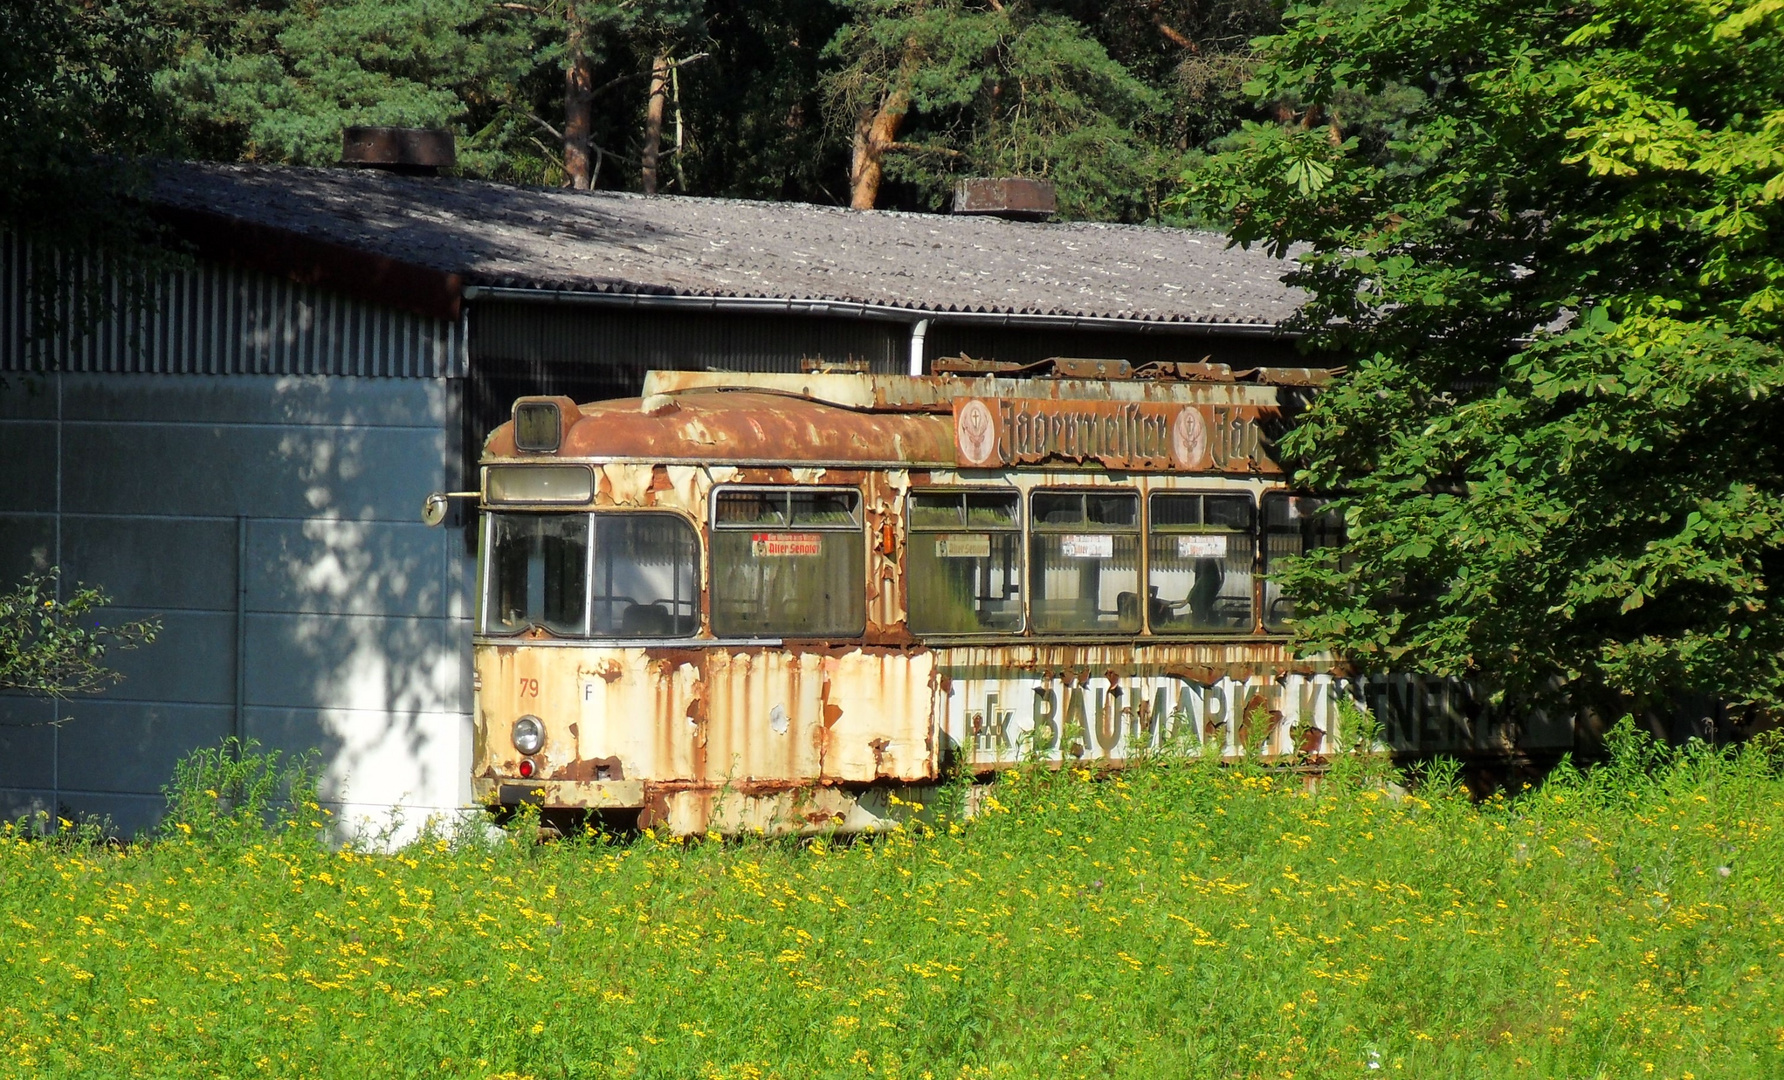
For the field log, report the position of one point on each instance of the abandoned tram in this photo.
(772, 601)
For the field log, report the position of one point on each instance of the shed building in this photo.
(244, 453)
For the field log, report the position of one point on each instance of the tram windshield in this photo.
(598, 575)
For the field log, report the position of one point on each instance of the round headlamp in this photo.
(529, 735)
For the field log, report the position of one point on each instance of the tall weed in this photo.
(1180, 918)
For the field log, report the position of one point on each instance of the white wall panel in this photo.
(192, 660)
(352, 662)
(27, 544)
(378, 758)
(163, 563)
(130, 747)
(27, 743)
(28, 454)
(292, 400)
(257, 470)
(300, 493)
(334, 567)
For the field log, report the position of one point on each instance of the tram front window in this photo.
(646, 577)
(788, 563)
(965, 562)
(638, 579)
(538, 573)
(1084, 563)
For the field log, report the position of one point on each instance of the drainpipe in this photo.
(919, 330)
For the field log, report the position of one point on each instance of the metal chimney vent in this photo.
(411, 151)
(1006, 197)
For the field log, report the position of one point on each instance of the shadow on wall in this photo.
(358, 623)
(293, 501)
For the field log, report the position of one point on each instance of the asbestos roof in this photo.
(481, 233)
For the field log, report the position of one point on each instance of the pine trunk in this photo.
(653, 121)
(579, 87)
(875, 132)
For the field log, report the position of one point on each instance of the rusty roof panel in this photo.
(938, 392)
(746, 426)
(935, 422)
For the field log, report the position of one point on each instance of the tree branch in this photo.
(549, 130)
(920, 148)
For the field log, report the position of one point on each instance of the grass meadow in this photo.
(1175, 920)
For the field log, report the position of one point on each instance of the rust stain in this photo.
(607, 768)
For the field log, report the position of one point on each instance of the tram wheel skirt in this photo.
(809, 810)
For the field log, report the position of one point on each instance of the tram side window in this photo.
(538, 573)
(964, 562)
(788, 563)
(1201, 551)
(646, 577)
(1084, 561)
(1293, 525)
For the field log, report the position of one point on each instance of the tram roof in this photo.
(422, 243)
(836, 419)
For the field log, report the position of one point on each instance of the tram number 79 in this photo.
(529, 688)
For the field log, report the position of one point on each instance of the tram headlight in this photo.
(529, 735)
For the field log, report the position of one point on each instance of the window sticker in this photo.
(1202, 547)
(785, 545)
(963, 547)
(1087, 547)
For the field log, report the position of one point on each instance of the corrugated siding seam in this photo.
(218, 320)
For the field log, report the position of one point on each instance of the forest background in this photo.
(875, 102)
(1544, 237)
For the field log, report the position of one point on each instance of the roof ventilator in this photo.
(406, 151)
(1008, 197)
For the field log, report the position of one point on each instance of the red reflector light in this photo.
(526, 768)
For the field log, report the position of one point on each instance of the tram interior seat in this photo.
(1127, 612)
(647, 620)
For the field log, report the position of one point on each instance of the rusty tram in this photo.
(773, 601)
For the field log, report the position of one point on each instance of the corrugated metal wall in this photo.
(626, 344)
(210, 319)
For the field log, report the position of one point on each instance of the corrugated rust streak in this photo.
(902, 423)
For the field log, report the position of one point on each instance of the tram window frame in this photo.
(1273, 600)
(927, 564)
(641, 614)
(496, 574)
(1128, 614)
(1211, 612)
(796, 620)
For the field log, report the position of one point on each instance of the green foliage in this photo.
(75, 107)
(1177, 919)
(236, 794)
(278, 82)
(998, 90)
(73, 84)
(51, 647)
(754, 112)
(1555, 249)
